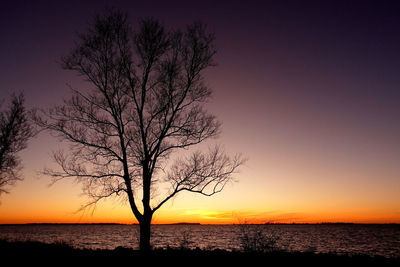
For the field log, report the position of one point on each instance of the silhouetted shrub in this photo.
(254, 238)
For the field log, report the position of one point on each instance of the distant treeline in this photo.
(185, 223)
(329, 223)
(180, 223)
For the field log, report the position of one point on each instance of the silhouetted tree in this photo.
(15, 131)
(146, 102)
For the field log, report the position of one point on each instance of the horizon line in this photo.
(197, 223)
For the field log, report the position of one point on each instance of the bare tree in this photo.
(145, 102)
(15, 131)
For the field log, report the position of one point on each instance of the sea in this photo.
(350, 239)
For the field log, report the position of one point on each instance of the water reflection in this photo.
(348, 239)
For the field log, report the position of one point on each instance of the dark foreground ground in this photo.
(60, 254)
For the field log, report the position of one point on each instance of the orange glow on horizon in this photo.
(203, 217)
(32, 201)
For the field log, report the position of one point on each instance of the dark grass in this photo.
(61, 254)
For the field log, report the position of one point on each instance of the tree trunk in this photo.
(145, 222)
(145, 233)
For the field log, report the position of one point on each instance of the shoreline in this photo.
(43, 252)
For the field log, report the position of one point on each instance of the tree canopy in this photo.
(15, 131)
(146, 101)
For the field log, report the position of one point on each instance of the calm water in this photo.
(381, 240)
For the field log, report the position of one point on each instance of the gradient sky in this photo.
(308, 91)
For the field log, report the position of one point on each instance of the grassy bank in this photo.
(61, 254)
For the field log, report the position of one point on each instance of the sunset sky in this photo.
(308, 91)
